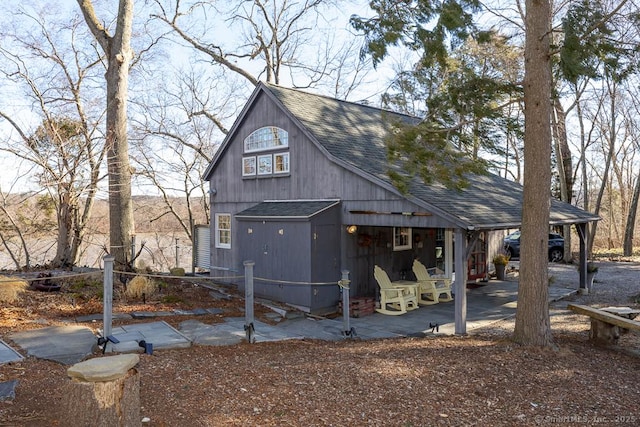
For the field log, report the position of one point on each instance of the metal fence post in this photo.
(347, 331)
(248, 301)
(177, 254)
(107, 299)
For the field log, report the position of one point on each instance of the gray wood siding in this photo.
(361, 257)
(298, 251)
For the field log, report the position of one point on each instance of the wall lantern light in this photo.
(352, 229)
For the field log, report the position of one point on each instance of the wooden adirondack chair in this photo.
(402, 297)
(433, 287)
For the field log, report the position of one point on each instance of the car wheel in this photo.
(511, 252)
(556, 255)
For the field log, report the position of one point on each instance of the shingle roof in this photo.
(354, 134)
(302, 209)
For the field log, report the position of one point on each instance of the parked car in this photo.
(556, 246)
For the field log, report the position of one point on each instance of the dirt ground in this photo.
(482, 379)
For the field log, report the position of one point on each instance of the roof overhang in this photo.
(286, 209)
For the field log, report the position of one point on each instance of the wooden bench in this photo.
(606, 326)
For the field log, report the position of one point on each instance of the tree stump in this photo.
(603, 333)
(103, 392)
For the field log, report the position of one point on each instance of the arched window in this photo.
(266, 138)
(266, 164)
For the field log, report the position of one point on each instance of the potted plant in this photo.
(500, 261)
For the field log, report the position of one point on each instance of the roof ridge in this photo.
(333, 99)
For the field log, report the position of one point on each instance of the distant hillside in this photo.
(36, 212)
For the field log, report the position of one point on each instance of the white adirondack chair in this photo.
(401, 298)
(433, 287)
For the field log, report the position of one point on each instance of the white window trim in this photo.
(275, 162)
(220, 244)
(396, 246)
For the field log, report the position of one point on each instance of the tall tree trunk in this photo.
(66, 227)
(532, 317)
(627, 246)
(608, 153)
(119, 55)
(564, 166)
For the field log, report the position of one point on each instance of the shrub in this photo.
(11, 288)
(140, 285)
(177, 271)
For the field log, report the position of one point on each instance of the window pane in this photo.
(248, 166)
(265, 165)
(266, 138)
(401, 238)
(282, 162)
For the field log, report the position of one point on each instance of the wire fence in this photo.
(108, 274)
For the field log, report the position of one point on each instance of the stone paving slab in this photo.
(8, 354)
(98, 317)
(63, 344)
(8, 390)
(204, 334)
(160, 334)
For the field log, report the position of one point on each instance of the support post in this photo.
(460, 285)
(583, 287)
(248, 301)
(347, 330)
(107, 306)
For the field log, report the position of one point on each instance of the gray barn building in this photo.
(300, 187)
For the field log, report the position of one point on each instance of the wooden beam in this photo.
(603, 316)
(460, 285)
(390, 213)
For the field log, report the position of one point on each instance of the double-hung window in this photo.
(223, 230)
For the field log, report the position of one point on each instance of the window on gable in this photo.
(223, 230)
(401, 238)
(266, 138)
(281, 163)
(249, 166)
(262, 165)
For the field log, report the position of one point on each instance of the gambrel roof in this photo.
(353, 135)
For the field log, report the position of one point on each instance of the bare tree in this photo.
(285, 42)
(118, 53)
(176, 137)
(11, 231)
(633, 126)
(49, 62)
